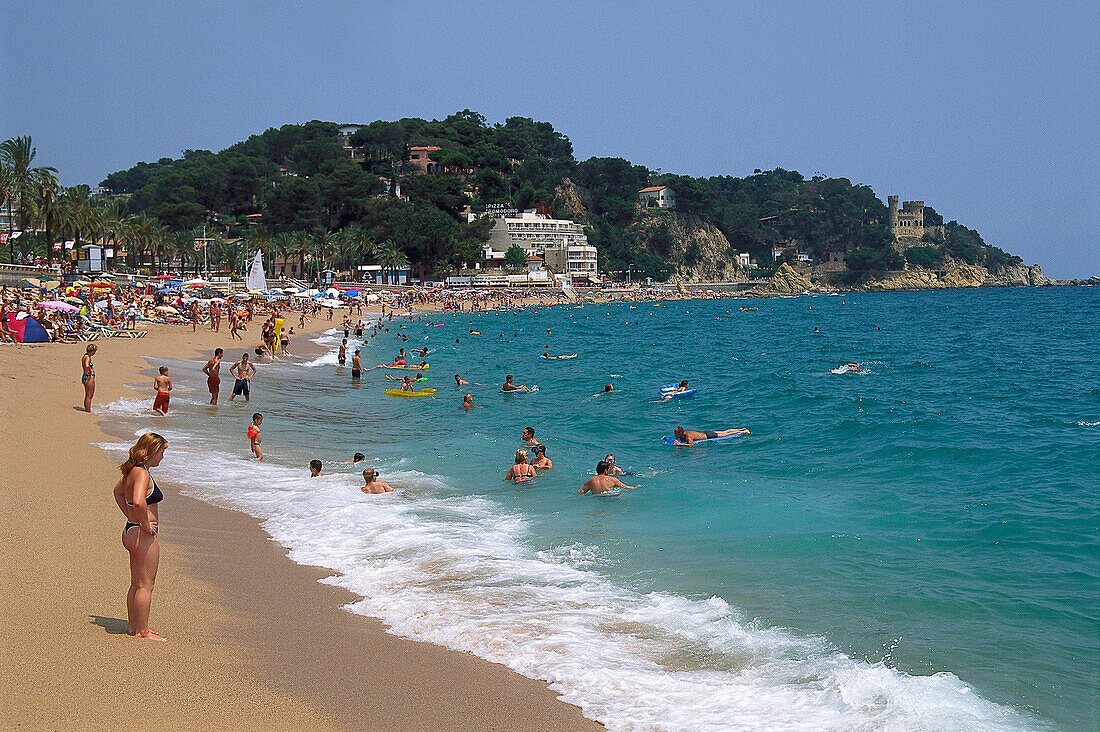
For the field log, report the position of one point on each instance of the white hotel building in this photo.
(560, 242)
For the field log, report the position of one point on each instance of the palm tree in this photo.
(17, 154)
(360, 247)
(392, 258)
(280, 246)
(300, 246)
(325, 243)
(50, 208)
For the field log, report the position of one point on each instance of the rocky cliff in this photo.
(570, 205)
(957, 274)
(786, 280)
(695, 250)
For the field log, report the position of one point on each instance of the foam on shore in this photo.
(456, 570)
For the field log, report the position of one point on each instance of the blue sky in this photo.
(989, 114)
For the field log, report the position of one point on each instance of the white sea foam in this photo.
(1083, 423)
(458, 571)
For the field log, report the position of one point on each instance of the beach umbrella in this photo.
(58, 305)
(167, 309)
(164, 277)
(372, 298)
(29, 282)
(73, 300)
(51, 285)
(290, 290)
(219, 300)
(102, 284)
(197, 281)
(330, 303)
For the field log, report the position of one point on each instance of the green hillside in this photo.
(309, 185)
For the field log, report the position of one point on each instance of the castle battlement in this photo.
(907, 223)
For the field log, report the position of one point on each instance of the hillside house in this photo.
(657, 197)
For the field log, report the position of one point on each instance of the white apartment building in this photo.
(560, 242)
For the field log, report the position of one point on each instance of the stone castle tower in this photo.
(907, 224)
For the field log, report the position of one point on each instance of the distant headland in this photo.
(469, 202)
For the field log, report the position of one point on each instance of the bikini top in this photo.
(155, 496)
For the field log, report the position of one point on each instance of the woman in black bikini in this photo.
(521, 471)
(88, 377)
(137, 496)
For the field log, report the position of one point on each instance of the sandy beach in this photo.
(254, 641)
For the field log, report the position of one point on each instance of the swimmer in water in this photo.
(687, 438)
(607, 389)
(601, 482)
(509, 386)
(569, 355)
(521, 471)
(373, 485)
(679, 390)
(528, 436)
(612, 468)
(467, 401)
(541, 461)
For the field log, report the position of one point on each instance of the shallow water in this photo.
(915, 546)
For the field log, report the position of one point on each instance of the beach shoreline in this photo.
(255, 641)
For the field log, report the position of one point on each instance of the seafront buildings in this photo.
(553, 246)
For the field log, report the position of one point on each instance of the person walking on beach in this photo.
(137, 496)
(243, 372)
(212, 370)
(601, 482)
(163, 385)
(254, 437)
(521, 471)
(88, 378)
(194, 316)
(234, 324)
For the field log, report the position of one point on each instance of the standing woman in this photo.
(137, 496)
(88, 378)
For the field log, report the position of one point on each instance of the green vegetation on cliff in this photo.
(302, 178)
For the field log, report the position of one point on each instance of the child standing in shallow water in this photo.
(254, 435)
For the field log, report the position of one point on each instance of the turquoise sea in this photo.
(913, 547)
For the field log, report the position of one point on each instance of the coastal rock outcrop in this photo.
(570, 205)
(786, 280)
(695, 250)
(1038, 279)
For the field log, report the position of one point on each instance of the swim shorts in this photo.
(711, 434)
(214, 383)
(356, 373)
(240, 387)
(161, 402)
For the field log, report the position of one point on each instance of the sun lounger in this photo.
(87, 336)
(114, 333)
